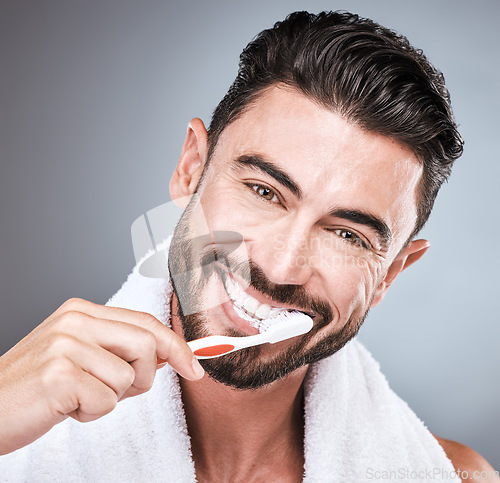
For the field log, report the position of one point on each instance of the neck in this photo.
(245, 434)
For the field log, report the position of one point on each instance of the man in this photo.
(322, 163)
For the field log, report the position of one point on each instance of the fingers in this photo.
(90, 399)
(112, 356)
(136, 338)
(129, 334)
(105, 366)
(80, 362)
(179, 356)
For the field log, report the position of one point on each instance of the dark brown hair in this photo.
(369, 74)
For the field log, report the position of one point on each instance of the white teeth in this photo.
(230, 287)
(263, 311)
(274, 312)
(251, 305)
(239, 297)
(235, 292)
(246, 304)
(242, 314)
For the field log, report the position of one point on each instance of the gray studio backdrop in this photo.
(95, 97)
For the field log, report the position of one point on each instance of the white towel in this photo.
(356, 428)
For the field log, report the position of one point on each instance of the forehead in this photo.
(335, 162)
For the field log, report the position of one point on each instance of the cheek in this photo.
(231, 207)
(351, 285)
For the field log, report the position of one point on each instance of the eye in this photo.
(351, 237)
(264, 192)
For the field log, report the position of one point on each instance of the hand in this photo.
(80, 362)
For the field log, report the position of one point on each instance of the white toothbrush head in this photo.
(286, 325)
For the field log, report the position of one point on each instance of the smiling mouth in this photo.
(247, 307)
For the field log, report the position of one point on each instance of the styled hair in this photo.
(370, 75)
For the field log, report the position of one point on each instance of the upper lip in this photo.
(263, 299)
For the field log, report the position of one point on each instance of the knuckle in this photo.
(143, 344)
(75, 303)
(148, 342)
(59, 344)
(127, 376)
(58, 372)
(148, 320)
(102, 404)
(109, 402)
(70, 320)
(144, 384)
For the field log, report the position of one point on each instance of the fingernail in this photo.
(198, 370)
(159, 366)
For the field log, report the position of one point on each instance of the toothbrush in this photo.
(282, 327)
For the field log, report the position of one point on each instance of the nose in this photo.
(284, 255)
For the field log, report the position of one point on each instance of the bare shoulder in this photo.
(469, 464)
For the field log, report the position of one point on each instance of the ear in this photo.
(408, 256)
(193, 157)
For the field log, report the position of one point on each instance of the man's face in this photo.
(323, 209)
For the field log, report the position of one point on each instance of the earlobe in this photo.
(408, 256)
(191, 162)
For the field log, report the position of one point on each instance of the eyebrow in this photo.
(359, 217)
(259, 163)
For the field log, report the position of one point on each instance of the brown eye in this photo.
(266, 193)
(351, 237)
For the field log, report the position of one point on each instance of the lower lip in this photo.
(236, 321)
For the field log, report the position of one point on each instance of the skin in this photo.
(79, 363)
(85, 358)
(256, 435)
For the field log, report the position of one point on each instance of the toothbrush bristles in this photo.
(266, 324)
